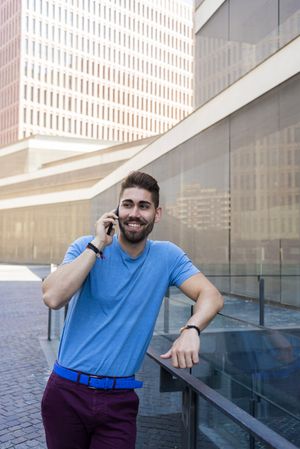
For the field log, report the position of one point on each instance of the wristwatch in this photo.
(190, 326)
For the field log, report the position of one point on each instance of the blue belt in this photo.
(97, 382)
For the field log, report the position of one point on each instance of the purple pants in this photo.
(78, 417)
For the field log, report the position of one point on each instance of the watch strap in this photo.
(190, 326)
(96, 250)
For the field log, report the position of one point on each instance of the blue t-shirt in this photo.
(110, 320)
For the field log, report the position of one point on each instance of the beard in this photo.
(136, 236)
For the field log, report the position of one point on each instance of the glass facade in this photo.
(235, 40)
(231, 197)
(42, 234)
(265, 192)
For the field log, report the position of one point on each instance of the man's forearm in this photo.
(209, 303)
(60, 286)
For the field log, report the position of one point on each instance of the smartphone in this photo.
(110, 227)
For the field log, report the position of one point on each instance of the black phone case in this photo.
(110, 227)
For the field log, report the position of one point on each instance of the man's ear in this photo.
(158, 214)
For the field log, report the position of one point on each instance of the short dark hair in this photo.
(143, 181)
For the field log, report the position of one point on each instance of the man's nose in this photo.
(134, 211)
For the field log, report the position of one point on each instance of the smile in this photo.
(134, 225)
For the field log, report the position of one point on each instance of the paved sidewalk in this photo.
(25, 368)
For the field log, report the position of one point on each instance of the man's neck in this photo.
(132, 249)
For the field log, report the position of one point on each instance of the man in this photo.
(116, 285)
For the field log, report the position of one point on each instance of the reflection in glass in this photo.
(216, 431)
(264, 194)
(235, 40)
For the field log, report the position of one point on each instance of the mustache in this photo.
(135, 220)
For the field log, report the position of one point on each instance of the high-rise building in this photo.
(112, 70)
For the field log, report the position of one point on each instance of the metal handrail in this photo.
(261, 288)
(239, 416)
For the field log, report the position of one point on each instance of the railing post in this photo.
(189, 415)
(167, 312)
(252, 407)
(261, 283)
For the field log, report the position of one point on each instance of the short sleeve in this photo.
(76, 248)
(181, 267)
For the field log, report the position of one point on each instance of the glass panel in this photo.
(254, 161)
(258, 370)
(175, 309)
(215, 430)
(195, 198)
(289, 193)
(265, 197)
(235, 40)
(289, 17)
(251, 39)
(212, 56)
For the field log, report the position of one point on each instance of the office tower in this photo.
(107, 70)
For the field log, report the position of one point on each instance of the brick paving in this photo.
(159, 421)
(24, 371)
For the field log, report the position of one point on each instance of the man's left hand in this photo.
(185, 350)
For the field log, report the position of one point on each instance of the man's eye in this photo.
(126, 204)
(144, 206)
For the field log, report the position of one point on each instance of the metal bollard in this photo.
(49, 324)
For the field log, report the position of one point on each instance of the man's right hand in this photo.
(103, 239)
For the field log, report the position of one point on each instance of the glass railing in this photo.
(253, 371)
(263, 301)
